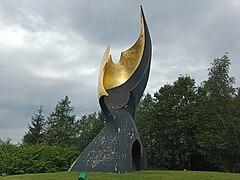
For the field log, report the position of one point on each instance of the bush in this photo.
(15, 159)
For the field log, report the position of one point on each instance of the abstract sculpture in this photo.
(118, 148)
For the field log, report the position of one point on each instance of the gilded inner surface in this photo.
(101, 89)
(112, 75)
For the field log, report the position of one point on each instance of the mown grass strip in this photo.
(142, 175)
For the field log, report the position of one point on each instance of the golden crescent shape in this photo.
(112, 75)
(101, 89)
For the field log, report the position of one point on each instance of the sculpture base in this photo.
(117, 148)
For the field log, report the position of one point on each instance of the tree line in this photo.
(62, 127)
(182, 126)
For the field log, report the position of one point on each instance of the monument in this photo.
(118, 147)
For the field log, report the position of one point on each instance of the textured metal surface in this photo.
(118, 147)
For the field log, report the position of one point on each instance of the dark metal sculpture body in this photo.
(118, 147)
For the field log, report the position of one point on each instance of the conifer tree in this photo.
(61, 124)
(35, 134)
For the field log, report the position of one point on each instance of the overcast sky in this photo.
(53, 48)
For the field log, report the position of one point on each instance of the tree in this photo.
(35, 134)
(236, 122)
(147, 127)
(176, 122)
(61, 125)
(219, 137)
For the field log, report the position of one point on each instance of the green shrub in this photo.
(16, 159)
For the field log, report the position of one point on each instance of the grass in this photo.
(142, 175)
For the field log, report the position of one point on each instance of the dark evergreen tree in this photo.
(35, 134)
(61, 125)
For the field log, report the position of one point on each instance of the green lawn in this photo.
(143, 175)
